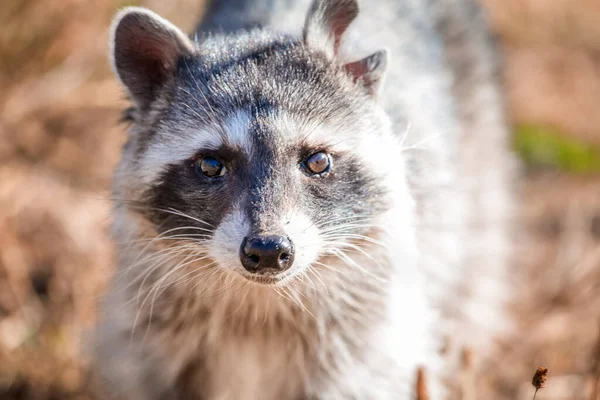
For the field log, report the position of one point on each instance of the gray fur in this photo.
(419, 187)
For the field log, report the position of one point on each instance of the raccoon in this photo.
(309, 203)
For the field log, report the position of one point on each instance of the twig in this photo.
(467, 376)
(421, 389)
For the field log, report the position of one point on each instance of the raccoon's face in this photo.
(265, 152)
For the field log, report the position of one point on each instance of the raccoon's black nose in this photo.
(266, 254)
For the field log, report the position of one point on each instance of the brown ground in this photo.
(59, 140)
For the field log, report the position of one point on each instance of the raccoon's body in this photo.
(297, 224)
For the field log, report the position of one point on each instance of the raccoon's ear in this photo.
(145, 49)
(369, 71)
(326, 22)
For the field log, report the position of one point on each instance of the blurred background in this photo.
(60, 139)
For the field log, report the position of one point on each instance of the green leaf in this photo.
(543, 146)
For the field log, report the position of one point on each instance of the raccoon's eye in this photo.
(317, 164)
(209, 167)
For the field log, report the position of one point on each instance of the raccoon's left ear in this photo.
(369, 71)
(145, 49)
(326, 22)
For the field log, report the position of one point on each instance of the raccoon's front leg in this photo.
(366, 382)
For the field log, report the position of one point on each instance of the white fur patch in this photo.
(236, 131)
(173, 148)
(312, 134)
(226, 242)
(305, 236)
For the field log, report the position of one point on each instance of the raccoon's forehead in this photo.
(281, 73)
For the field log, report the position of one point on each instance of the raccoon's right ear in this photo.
(145, 49)
(369, 71)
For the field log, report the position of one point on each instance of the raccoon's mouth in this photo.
(276, 279)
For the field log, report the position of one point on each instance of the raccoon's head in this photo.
(267, 153)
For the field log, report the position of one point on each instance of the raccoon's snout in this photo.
(266, 254)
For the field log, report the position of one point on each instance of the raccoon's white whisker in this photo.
(211, 112)
(154, 261)
(405, 134)
(237, 283)
(311, 284)
(342, 222)
(279, 293)
(161, 286)
(344, 257)
(313, 128)
(200, 105)
(355, 237)
(286, 294)
(197, 271)
(336, 237)
(153, 240)
(156, 239)
(141, 206)
(174, 248)
(214, 272)
(221, 276)
(355, 248)
(300, 303)
(321, 224)
(325, 266)
(267, 304)
(157, 285)
(347, 229)
(353, 218)
(186, 105)
(422, 142)
(153, 266)
(153, 258)
(242, 302)
(160, 262)
(179, 237)
(316, 274)
(235, 287)
(197, 274)
(277, 171)
(349, 226)
(182, 214)
(139, 308)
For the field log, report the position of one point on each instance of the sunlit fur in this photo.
(404, 243)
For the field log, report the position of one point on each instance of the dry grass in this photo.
(539, 379)
(59, 140)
